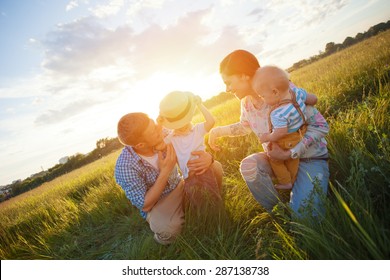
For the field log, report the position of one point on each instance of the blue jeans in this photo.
(306, 196)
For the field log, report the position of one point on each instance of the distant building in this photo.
(64, 160)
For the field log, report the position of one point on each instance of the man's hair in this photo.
(239, 62)
(131, 127)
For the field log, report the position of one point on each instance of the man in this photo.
(146, 170)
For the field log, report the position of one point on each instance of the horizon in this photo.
(62, 91)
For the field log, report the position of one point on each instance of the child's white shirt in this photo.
(185, 144)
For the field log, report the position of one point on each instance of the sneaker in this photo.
(164, 238)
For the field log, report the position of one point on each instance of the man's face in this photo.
(239, 85)
(152, 136)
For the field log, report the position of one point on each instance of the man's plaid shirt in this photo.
(136, 176)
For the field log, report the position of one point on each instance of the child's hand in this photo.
(264, 137)
(197, 100)
(160, 119)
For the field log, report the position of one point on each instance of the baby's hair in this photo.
(273, 75)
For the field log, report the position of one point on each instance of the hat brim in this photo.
(184, 120)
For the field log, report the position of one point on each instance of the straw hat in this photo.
(177, 109)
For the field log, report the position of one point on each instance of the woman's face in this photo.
(239, 85)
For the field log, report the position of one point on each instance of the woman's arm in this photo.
(311, 99)
(231, 130)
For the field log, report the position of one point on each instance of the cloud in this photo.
(182, 47)
(55, 116)
(139, 6)
(323, 10)
(101, 62)
(71, 5)
(277, 53)
(112, 8)
(258, 13)
(27, 87)
(295, 15)
(79, 48)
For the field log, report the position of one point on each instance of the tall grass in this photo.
(85, 215)
(353, 87)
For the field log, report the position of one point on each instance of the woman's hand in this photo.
(202, 163)
(213, 135)
(275, 152)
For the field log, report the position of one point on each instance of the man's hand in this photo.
(275, 152)
(166, 164)
(213, 135)
(200, 164)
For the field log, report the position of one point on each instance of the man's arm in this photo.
(166, 165)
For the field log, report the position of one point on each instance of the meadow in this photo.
(85, 215)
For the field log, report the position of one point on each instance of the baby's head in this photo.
(177, 109)
(271, 83)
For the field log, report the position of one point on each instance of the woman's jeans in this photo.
(308, 192)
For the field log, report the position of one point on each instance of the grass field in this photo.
(85, 215)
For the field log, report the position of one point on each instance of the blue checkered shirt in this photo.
(136, 176)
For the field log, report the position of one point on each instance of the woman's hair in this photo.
(239, 62)
(131, 127)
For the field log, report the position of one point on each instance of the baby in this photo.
(176, 112)
(287, 122)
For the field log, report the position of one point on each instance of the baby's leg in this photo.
(282, 174)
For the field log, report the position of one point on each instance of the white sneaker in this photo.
(164, 238)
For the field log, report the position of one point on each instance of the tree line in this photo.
(104, 147)
(332, 47)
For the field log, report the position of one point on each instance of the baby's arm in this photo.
(276, 134)
(311, 99)
(210, 121)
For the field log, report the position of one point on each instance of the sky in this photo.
(70, 69)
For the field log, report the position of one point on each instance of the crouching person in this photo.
(147, 172)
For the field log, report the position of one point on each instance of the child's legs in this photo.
(197, 188)
(286, 171)
(218, 173)
(292, 166)
(281, 172)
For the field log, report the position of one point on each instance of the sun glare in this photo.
(145, 96)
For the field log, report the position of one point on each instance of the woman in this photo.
(237, 71)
